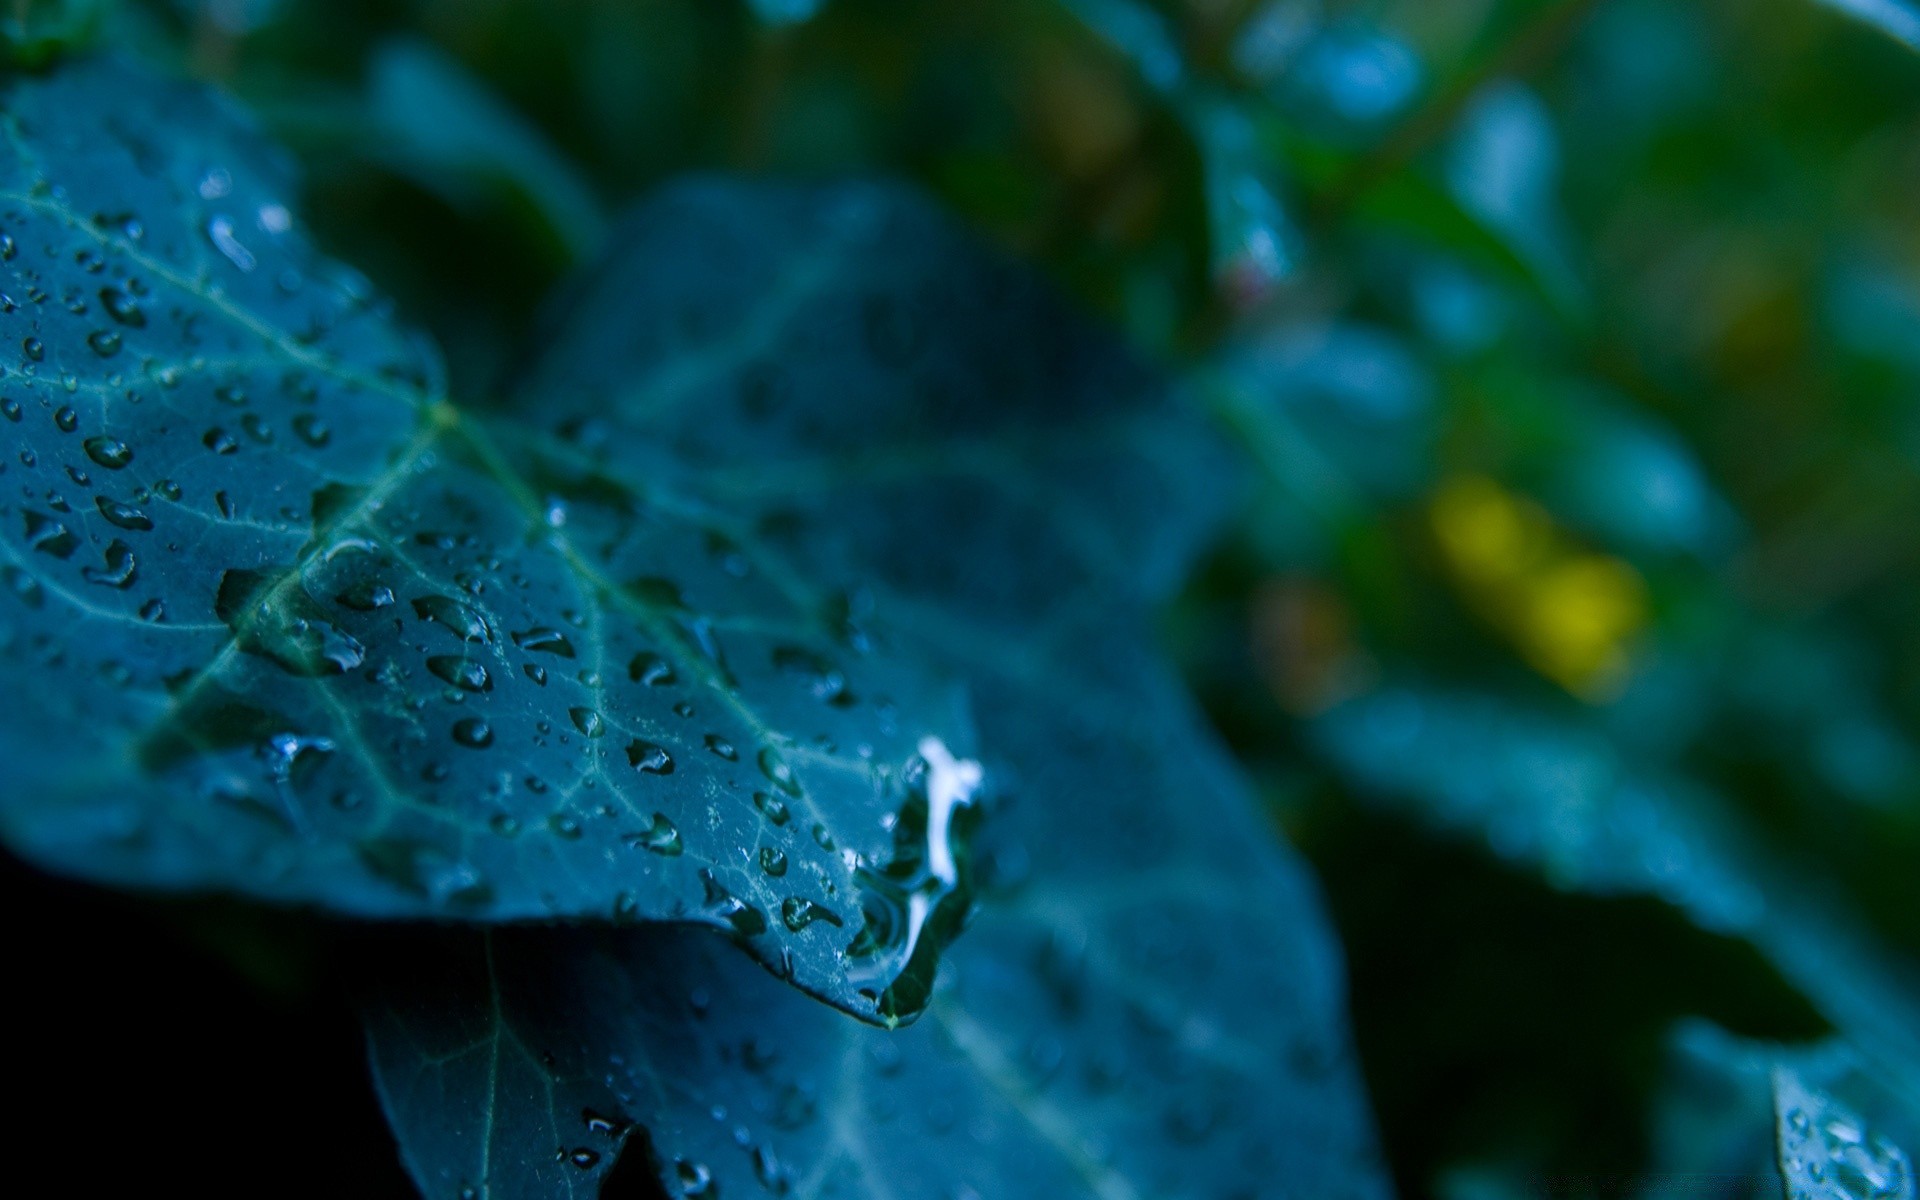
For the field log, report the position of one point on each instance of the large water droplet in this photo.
(110, 453)
(461, 672)
(661, 837)
(543, 640)
(649, 758)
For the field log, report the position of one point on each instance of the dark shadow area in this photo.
(183, 1044)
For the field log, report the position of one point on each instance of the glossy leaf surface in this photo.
(295, 626)
(1146, 1003)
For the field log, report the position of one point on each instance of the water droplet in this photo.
(536, 672)
(767, 1169)
(543, 640)
(312, 430)
(564, 825)
(823, 681)
(123, 516)
(473, 733)
(48, 535)
(777, 771)
(694, 1179)
(722, 748)
(650, 669)
(104, 342)
(648, 758)
(273, 617)
(773, 861)
(456, 616)
(122, 307)
(35, 350)
(661, 837)
(747, 921)
(772, 807)
(219, 441)
(120, 569)
(796, 913)
(366, 595)
(588, 722)
(504, 824)
(23, 585)
(110, 453)
(461, 672)
(66, 420)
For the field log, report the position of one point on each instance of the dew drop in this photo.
(473, 733)
(796, 913)
(648, 758)
(661, 837)
(123, 516)
(461, 672)
(543, 640)
(110, 453)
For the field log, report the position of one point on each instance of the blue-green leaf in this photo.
(1146, 1003)
(1556, 797)
(1898, 19)
(295, 626)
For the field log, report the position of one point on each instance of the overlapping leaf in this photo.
(1147, 1003)
(293, 625)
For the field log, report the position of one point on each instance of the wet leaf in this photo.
(1556, 797)
(297, 627)
(1146, 1002)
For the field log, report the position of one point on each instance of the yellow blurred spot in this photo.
(1571, 613)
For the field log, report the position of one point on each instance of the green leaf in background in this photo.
(441, 127)
(1556, 797)
(1898, 19)
(33, 31)
(1145, 1003)
(297, 627)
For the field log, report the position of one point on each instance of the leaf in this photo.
(34, 31)
(448, 131)
(1827, 1152)
(295, 626)
(1556, 797)
(1146, 1003)
(1742, 1113)
(1898, 19)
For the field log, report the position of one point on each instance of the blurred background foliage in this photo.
(1575, 345)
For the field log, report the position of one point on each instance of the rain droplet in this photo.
(777, 771)
(122, 307)
(650, 669)
(588, 722)
(722, 748)
(661, 837)
(648, 758)
(120, 569)
(773, 861)
(473, 733)
(110, 453)
(796, 913)
(461, 672)
(772, 807)
(457, 617)
(312, 430)
(123, 516)
(542, 640)
(366, 595)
